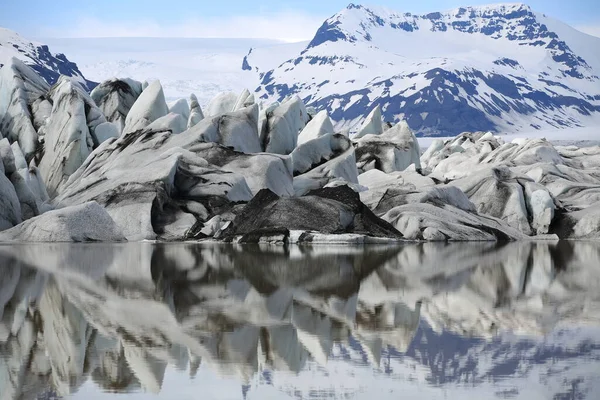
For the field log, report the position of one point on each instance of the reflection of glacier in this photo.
(509, 321)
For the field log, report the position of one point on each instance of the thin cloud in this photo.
(288, 26)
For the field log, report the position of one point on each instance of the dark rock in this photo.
(335, 210)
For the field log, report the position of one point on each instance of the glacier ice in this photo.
(196, 114)
(180, 107)
(422, 210)
(281, 126)
(31, 202)
(394, 150)
(170, 173)
(69, 133)
(105, 131)
(148, 107)
(261, 170)
(115, 98)
(173, 122)
(8, 165)
(372, 125)
(80, 223)
(425, 221)
(27, 182)
(499, 193)
(319, 125)
(18, 155)
(20, 86)
(246, 99)
(237, 130)
(145, 178)
(320, 161)
(221, 104)
(10, 208)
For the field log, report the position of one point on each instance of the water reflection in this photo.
(520, 320)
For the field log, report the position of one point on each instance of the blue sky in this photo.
(278, 19)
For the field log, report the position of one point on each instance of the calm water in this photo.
(188, 321)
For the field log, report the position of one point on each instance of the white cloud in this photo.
(593, 30)
(287, 26)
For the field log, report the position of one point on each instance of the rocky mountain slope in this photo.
(47, 64)
(500, 68)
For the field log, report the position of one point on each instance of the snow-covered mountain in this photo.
(501, 68)
(48, 64)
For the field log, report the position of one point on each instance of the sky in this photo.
(290, 20)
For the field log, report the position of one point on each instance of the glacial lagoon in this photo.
(214, 321)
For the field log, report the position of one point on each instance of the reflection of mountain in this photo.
(118, 315)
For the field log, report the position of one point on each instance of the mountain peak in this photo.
(355, 22)
(501, 8)
(515, 22)
(504, 10)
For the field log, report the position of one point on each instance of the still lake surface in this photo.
(190, 321)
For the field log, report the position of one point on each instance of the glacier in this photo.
(203, 66)
(271, 172)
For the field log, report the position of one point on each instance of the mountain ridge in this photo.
(48, 64)
(497, 67)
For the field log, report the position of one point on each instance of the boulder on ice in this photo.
(330, 211)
